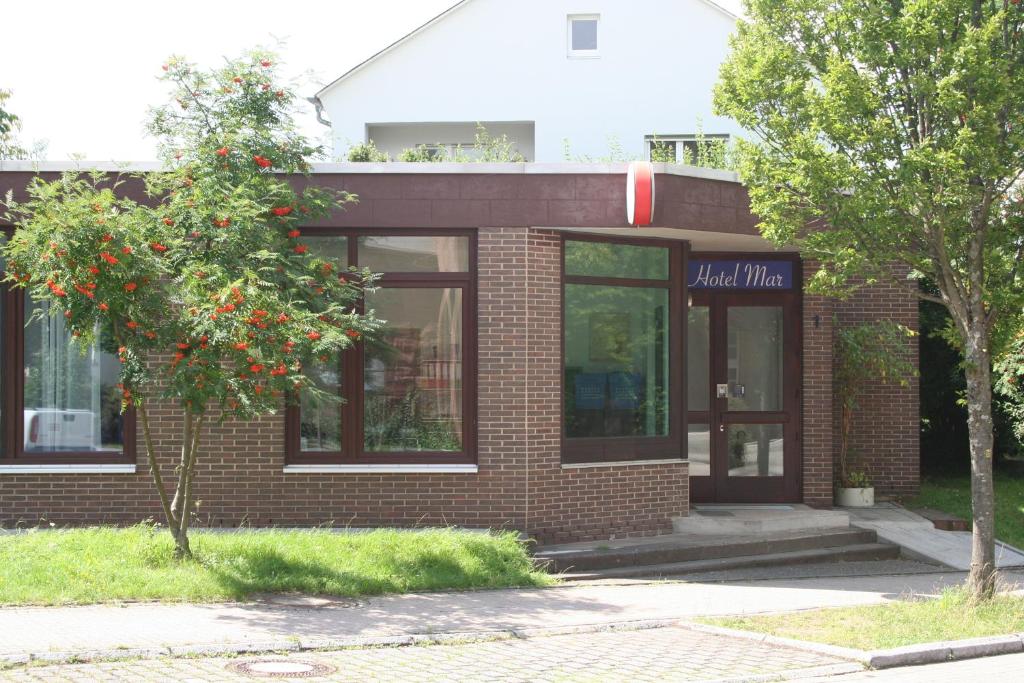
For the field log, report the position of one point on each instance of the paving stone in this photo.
(659, 654)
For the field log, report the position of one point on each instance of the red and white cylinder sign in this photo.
(639, 193)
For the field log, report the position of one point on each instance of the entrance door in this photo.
(743, 378)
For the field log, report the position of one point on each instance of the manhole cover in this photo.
(281, 668)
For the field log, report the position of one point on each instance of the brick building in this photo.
(546, 367)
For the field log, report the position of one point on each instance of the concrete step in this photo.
(851, 553)
(660, 550)
(715, 520)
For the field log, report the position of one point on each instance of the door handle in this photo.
(721, 426)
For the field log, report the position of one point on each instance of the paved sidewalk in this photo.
(39, 630)
(662, 654)
(915, 533)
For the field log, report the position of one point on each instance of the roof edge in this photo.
(416, 31)
(723, 10)
(422, 27)
(395, 168)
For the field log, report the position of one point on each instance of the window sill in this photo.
(621, 463)
(382, 468)
(43, 468)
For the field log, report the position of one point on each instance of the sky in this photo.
(83, 74)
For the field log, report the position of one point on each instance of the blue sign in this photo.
(740, 274)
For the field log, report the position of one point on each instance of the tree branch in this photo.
(190, 469)
(186, 444)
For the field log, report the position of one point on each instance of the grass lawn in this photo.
(953, 495)
(949, 617)
(51, 567)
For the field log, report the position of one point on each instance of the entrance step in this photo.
(747, 520)
(644, 554)
(851, 553)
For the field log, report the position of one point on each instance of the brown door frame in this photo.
(718, 487)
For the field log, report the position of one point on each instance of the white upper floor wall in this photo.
(510, 64)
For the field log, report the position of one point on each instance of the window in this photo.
(686, 149)
(63, 405)
(622, 342)
(583, 35)
(447, 150)
(408, 393)
(71, 400)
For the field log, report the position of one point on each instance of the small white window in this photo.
(686, 149)
(583, 35)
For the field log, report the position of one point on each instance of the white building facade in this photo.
(563, 79)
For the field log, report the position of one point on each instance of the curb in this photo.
(793, 674)
(909, 655)
(55, 657)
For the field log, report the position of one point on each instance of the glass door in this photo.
(743, 379)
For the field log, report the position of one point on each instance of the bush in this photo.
(366, 152)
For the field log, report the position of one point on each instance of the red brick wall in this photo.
(886, 429)
(817, 444)
(521, 482)
(568, 504)
(240, 479)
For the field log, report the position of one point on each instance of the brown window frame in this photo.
(353, 450)
(598, 449)
(12, 421)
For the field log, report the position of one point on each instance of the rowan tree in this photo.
(890, 139)
(207, 293)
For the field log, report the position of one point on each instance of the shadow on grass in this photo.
(250, 571)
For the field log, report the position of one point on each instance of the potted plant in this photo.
(871, 352)
(855, 490)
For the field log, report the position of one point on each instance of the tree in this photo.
(898, 125)
(10, 124)
(876, 351)
(207, 294)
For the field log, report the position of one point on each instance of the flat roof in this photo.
(395, 168)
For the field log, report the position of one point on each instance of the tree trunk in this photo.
(177, 511)
(180, 550)
(181, 506)
(982, 579)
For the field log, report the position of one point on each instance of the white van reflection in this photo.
(60, 430)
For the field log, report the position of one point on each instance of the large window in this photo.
(405, 397)
(71, 400)
(62, 402)
(621, 349)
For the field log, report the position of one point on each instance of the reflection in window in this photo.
(755, 357)
(698, 359)
(332, 248)
(699, 449)
(72, 402)
(616, 361)
(414, 254)
(320, 416)
(413, 371)
(3, 345)
(755, 450)
(610, 259)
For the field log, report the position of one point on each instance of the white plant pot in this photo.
(855, 498)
